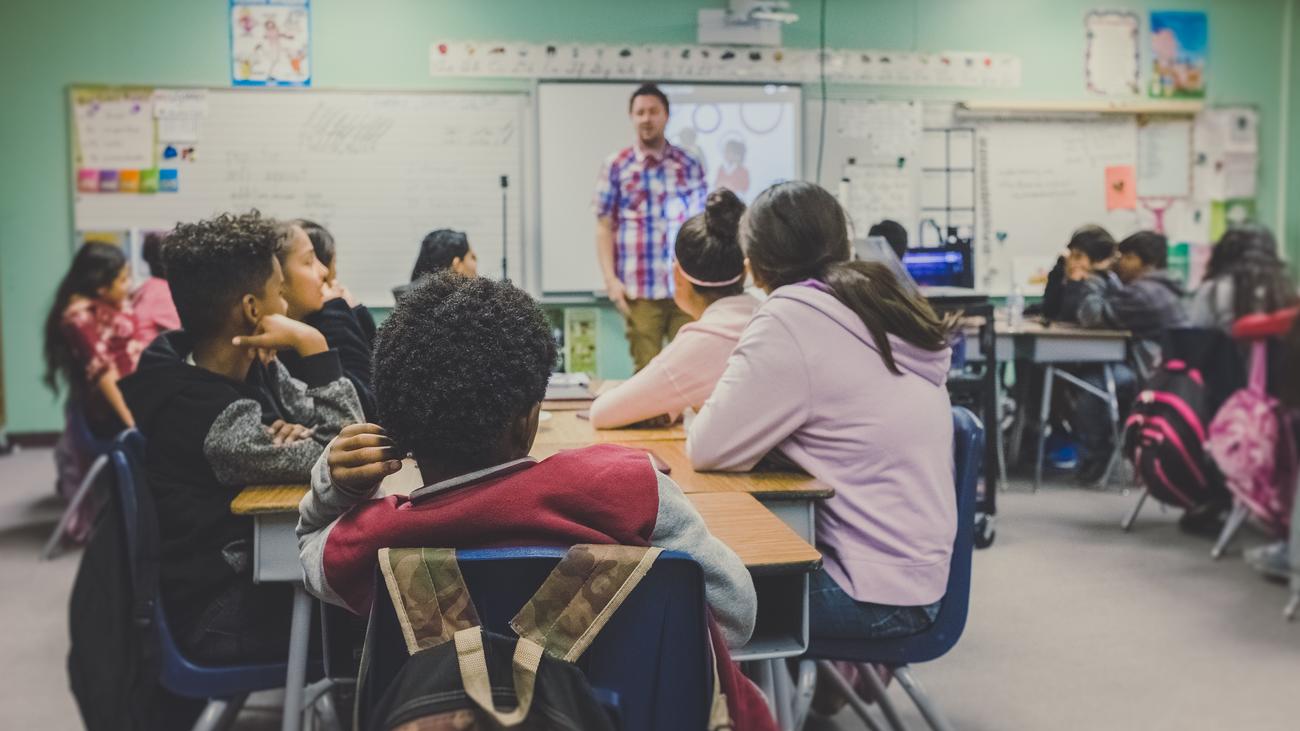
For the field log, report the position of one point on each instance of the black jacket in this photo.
(350, 331)
(207, 440)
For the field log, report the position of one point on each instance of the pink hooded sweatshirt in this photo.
(806, 379)
(684, 373)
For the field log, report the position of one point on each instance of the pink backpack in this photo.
(1252, 443)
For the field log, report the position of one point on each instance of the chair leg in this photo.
(1292, 606)
(868, 671)
(1127, 523)
(805, 686)
(1044, 414)
(1230, 528)
(220, 713)
(784, 687)
(827, 670)
(53, 546)
(924, 704)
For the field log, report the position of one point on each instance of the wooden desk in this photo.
(791, 496)
(776, 555)
(564, 427)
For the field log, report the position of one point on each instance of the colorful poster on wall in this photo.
(1111, 59)
(580, 339)
(1179, 47)
(270, 42)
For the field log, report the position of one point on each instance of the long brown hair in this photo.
(796, 231)
(95, 266)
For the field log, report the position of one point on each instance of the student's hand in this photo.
(360, 457)
(277, 332)
(335, 290)
(618, 295)
(284, 433)
(1078, 269)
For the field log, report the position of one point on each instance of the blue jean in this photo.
(833, 614)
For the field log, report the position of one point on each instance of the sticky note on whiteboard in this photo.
(1121, 188)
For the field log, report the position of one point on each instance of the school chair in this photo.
(226, 687)
(78, 429)
(651, 662)
(900, 653)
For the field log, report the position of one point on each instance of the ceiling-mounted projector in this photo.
(745, 22)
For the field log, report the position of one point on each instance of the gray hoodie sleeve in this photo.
(324, 400)
(319, 510)
(727, 583)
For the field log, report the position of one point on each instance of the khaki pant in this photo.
(649, 324)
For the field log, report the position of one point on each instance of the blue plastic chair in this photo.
(98, 448)
(225, 687)
(899, 653)
(651, 662)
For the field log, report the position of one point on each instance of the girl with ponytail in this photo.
(709, 285)
(842, 371)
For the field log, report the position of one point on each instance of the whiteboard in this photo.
(379, 169)
(582, 124)
(1039, 180)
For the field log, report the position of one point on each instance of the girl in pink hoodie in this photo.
(709, 279)
(842, 371)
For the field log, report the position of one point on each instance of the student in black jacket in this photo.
(219, 412)
(313, 299)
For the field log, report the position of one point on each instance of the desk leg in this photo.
(1112, 402)
(296, 678)
(1044, 414)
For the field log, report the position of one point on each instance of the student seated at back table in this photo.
(461, 367)
(440, 250)
(842, 372)
(1139, 296)
(314, 300)
(709, 279)
(217, 419)
(1090, 252)
(1244, 276)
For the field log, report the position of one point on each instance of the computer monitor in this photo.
(941, 266)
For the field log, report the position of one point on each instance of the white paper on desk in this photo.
(1111, 55)
(1164, 159)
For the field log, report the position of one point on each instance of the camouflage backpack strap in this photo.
(428, 593)
(582, 592)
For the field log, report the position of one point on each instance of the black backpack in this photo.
(1164, 438)
(460, 676)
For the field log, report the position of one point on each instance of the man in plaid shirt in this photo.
(643, 196)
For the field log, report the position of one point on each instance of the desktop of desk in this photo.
(566, 427)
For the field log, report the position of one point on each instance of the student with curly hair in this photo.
(219, 414)
(461, 367)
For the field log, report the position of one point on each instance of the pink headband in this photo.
(701, 283)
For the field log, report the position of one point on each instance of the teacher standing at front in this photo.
(643, 196)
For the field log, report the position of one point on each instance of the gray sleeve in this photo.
(241, 453)
(727, 583)
(317, 513)
(328, 407)
(1094, 309)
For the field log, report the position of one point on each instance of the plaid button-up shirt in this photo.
(648, 197)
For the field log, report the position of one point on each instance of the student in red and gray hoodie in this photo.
(460, 370)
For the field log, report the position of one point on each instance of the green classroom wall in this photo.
(385, 44)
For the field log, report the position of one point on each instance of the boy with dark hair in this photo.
(894, 234)
(1089, 255)
(219, 413)
(460, 371)
(1138, 296)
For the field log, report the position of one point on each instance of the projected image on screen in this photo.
(746, 139)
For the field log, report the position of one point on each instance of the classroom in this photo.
(744, 364)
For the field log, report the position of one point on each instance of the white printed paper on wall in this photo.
(270, 42)
(1111, 57)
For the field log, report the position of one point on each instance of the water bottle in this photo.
(1016, 308)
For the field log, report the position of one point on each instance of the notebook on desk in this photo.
(569, 387)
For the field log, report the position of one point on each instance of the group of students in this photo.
(275, 377)
(1126, 286)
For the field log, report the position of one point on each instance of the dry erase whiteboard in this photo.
(379, 169)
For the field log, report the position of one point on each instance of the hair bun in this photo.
(722, 212)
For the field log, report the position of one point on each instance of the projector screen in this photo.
(747, 137)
